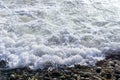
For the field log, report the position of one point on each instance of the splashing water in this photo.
(36, 33)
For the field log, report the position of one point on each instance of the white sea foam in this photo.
(41, 33)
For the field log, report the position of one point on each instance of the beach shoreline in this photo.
(107, 69)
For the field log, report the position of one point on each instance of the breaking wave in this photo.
(38, 33)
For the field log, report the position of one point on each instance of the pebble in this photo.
(103, 72)
(98, 70)
(108, 76)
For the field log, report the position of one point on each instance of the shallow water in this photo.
(35, 33)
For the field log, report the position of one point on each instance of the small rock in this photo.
(117, 76)
(111, 63)
(62, 77)
(46, 78)
(75, 76)
(98, 70)
(117, 72)
(108, 76)
(56, 74)
(85, 74)
(68, 77)
(67, 72)
(12, 77)
(96, 78)
(54, 78)
(77, 66)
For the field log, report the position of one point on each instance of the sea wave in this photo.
(35, 33)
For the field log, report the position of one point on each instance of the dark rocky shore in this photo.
(108, 69)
